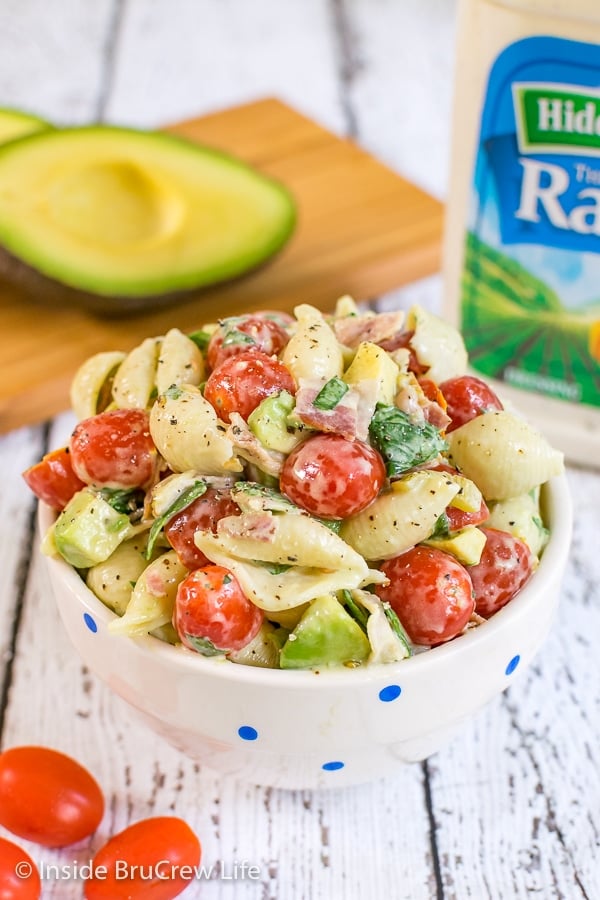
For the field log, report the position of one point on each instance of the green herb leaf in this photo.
(201, 339)
(233, 337)
(442, 527)
(272, 568)
(402, 443)
(173, 392)
(203, 645)
(185, 498)
(358, 613)
(124, 501)
(396, 627)
(330, 394)
(334, 525)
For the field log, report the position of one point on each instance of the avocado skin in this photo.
(51, 291)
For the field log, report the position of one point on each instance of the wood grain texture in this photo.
(361, 230)
(509, 810)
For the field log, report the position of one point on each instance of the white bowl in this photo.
(303, 729)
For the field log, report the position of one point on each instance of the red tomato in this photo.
(53, 479)
(255, 332)
(19, 876)
(332, 477)
(154, 858)
(467, 397)
(211, 605)
(201, 515)
(241, 382)
(459, 518)
(47, 797)
(506, 564)
(114, 449)
(430, 592)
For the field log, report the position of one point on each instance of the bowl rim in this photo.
(559, 513)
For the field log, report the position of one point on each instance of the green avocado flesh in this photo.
(325, 635)
(88, 530)
(122, 213)
(15, 124)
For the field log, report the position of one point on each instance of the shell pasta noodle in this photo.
(297, 491)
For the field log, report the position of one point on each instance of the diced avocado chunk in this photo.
(268, 422)
(88, 530)
(325, 636)
(466, 545)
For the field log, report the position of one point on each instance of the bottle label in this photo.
(530, 295)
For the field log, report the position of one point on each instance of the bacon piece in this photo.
(351, 330)
(413, 400)
(155, 583)
(248, 446)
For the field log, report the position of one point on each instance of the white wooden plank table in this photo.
(511, 809)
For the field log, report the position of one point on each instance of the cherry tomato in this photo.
(460, 518)
(430, 592)
(211, 605)
(332, 477)
(252, 333)
(154, 858)
(467, 397)
(241, 382)
(201, 515)
(114, 449)
(53, 479)
(47, 797)
(19, 876)
(506, 564)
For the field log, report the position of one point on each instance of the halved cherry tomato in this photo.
(48, 797)
(53, 479)
(332, 477)
(430, 592)
(506, 565)
(251, 333)
(114, 449)
(19, 875)
(201, 515)
(240, 383)
(460, 518)
(154, 858)
(467, 397)
(211, 606)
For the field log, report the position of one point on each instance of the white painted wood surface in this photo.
(511, 809)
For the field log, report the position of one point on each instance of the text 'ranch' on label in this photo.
(530, 298)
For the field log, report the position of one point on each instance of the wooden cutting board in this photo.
(362, 230)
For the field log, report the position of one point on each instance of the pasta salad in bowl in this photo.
(330, 496)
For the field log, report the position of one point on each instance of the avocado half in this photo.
(16, 124)
(120, 220)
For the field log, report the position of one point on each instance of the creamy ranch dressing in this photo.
(522, 244)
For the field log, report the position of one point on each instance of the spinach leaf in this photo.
(441, 528)
(124, 501)
(403, 443)
(330, 394)
(358, 613)
(397, 628)
(203, 645)
(201, 339)
(185, 498)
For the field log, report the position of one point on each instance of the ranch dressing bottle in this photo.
(522, 247)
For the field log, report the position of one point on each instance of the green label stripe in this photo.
(557, 118)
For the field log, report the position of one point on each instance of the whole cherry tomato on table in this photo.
(505, 566)
(235, 336)
(332, 477)
(201, 515)
(53, 479)
(47, 797)
(467, 397)
(19, 875)
(242, 382)
(153, 859)
(211, 606)
(430, 592)
(114, 449)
